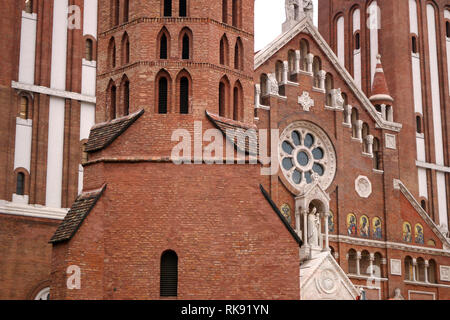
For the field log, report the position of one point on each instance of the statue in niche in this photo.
(313, 227)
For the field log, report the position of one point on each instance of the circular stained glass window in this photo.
(306, 153)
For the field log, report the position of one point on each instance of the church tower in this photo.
(413, 38)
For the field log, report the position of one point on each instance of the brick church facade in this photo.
(356, 117)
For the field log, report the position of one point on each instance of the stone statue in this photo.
(313, 227)
(291, 6)
(308, 8)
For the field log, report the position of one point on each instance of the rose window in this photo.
(305, 152)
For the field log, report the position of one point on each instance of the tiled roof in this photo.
(103, 134)
(243, 135)
(76, 215)
(380, 90)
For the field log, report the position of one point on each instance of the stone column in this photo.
(305, 226)
(257, 94)
(322, 76)
(327, 242)
(358, 259)
(348, 116)
(297, 222)
(309, 61)
(369, 141)
(427, 264)
(320, 233)
(297, 61)
(390, 114)
(359, 125)
(284, 77)
(383, 111)
(414, 262)
(372, 259)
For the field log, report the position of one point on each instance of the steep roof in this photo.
(242, 135)
(307, 26)
(103, 134)
(76, 215)
(380, 90)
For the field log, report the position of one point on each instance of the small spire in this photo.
(380, 91)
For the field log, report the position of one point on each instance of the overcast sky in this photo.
(269, 16)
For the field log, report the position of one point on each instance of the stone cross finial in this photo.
(296, 10)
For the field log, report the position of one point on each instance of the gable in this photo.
(305, 26)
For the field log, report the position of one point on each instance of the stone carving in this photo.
(313, 227)
(391, 142)
(272, 84)
(327, 282)
(445, 273)
(306, 101)
(336, 99)
(308, 8)
(396, 267)
(398, 295)
(363, 186)
(292, 8)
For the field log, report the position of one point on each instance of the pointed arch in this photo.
(238, 101)
(224, 94)
(224, 51)
(239, 54)
(111, 100)
(185, 43)
(125, 49)
(163, 90)
(125, 95)
(184, 91)
(163, 41)
(112, 53)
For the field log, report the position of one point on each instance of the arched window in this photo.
(112, 101)
(88, 50)
(423, 204)
(329, 85)
(116, 12)
(317, 66)
(291, 63)
(169, 274)
(279, 69)
(224, 53)
(365, 263)
(304, 51)
(163, 95)
(112, 53)
(224, 86)
(365, 133)
(352, 261)
(409, 270)
(225, 11)
(236, 13)
(24, 106)
(377, 272)
(167, 8)
(357, 41)
(355, 119)
(20, 187)
(263, 79)
(126, 10)
(186, 47)
(447, 29)
(184, 95)
(125, 49)
(238, 55)
(183, 8)
(163, 40)
(126, 96)
(237, 101)
(377, 157)
(29, 6)
(432, 271)
(414, 45)
(419, 124)
(420, 270)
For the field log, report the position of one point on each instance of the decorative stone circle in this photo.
(306, 154)
(327, 281)
(363, 186)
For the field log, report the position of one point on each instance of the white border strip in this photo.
(34, 211)
(54, 92)
(432, 166)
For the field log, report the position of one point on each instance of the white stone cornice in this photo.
(53, 92)
(432, 166)
(306, 26)
(34, 211)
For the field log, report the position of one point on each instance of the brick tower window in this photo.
(237, 101)
(112, 53)
(126, 95)
(112, 102)
(238, 55)
(224, 53)
(414, 45)
(236, 13)
(169, 274)
(183, 8)
(24, 104)
(163, 95)
(186, 47)
(167, 8)
(357, 41)
(163, 47)
(447, 28)
(88, 54)
(116, 12)
(184, 95)
(377, 157)
(20, 187)
(29, 6)
(419, 124)
(125, 49)
(225, 11)
(126, 10)
(222, 99)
